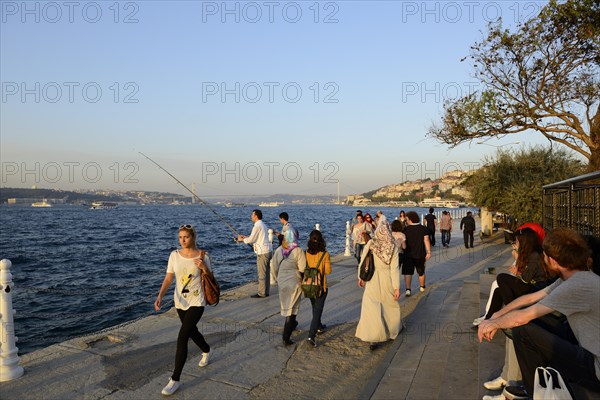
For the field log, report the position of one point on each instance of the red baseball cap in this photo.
(537, 228)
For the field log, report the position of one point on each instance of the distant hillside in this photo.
(447, 187)
(70, 197)
(87, 197)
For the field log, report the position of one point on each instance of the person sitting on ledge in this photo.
(573, 349)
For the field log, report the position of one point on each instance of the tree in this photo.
(512, 182)
(545, 77)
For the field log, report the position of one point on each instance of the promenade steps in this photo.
(436, 356)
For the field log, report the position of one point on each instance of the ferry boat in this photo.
(439, 203)
(41, 204)
(435, 202)
(452, 204)
(102, 205)
(230, 204)
(269, 204)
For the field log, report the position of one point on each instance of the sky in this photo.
(237, 97)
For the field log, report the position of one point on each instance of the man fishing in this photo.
(263, 248)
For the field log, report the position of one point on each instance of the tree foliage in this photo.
(512, 181)
(544, 77)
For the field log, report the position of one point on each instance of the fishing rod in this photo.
(204, 203)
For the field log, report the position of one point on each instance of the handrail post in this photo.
(9, 360)
(347, 249)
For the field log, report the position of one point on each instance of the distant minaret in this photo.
(194, 191)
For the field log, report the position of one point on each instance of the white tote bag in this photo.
(549, 385)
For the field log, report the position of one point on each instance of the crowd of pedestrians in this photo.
(548, 304)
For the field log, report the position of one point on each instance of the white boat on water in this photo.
(269, 204)
(230, 204)
(438, 202)
(41, 204)
(103, 205)
(452, 204)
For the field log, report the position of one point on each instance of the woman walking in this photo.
(185, 266)
(380, 318)
(316, 253)
(289, 261)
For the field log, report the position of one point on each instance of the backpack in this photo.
(312, 283)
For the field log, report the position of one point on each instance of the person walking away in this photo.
(289, 261)
(185, 266)
(259, 238)
(315, 249)
(446, 228)
(467, 225)
(430, 224)
(417, 253)
(380, 317)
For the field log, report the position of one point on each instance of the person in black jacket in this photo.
(467, 225)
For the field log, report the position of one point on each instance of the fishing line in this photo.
(204, 203)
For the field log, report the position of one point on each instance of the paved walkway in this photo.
(437, 355)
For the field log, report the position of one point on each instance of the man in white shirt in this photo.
(259, 238)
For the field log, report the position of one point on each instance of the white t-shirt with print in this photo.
(188, 290)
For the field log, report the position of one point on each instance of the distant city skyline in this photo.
(242, 98)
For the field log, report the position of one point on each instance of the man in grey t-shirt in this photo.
(576, 295)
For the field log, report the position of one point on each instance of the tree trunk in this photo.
(594, 164)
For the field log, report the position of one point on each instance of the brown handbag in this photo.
(210, 288)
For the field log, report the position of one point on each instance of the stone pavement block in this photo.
(58, 373)
(395, 384)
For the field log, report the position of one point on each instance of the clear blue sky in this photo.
(349, 97)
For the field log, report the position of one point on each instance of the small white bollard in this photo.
(9, 360)
(318, 227)
(272, 277)
(347, 250)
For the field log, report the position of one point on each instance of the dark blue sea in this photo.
(77, 271)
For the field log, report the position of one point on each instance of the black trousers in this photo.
(549, 342)
(189, 319)
(509, 288)
(468, 236)
(317, 310)
(431, 237)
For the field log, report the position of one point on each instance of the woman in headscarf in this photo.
(380, 318)
(289, 262)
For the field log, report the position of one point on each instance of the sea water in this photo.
(77, 271)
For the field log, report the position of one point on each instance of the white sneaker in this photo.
(204, 360)
(171, 387)
(495, 384)
(496, 397)
(407, 293)
(477, 321)
(422, 289)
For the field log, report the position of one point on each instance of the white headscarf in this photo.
(383, 242)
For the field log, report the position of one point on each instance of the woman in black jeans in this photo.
(185, 266)
(529, 271)
(315, 252)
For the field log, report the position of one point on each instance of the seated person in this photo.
(573, 350)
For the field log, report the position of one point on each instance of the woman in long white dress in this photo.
(289, 261)
(380, 317)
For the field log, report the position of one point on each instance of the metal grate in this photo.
(574, 203)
